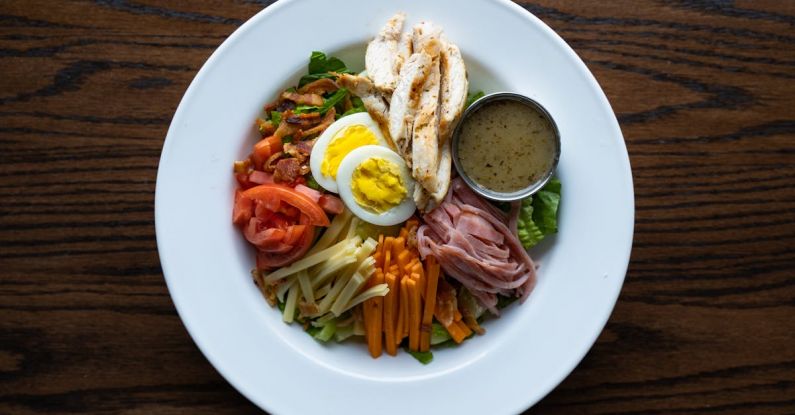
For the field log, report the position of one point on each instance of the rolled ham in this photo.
(474, 244)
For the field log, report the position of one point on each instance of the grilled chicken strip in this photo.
(405, 49)
(454, 89)
(425, 137)
(404, 102)
(424, 33)
(373, 100)
(382, 54)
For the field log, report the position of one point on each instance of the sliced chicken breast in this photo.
(424, 33)
(454, 89)
(373, 100)
(425, 136)
(405, 49)
(382, 54)
(404, 102)
(443, 172)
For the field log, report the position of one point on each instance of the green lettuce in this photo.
(422, 357)
(472, 97)
(320, 66)
(358, 106)
(538, 216)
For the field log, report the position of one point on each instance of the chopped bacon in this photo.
(270, 165)
(300, 149)
(320, 87)
(285, 128)
(304, 120)
(287, 170)
(266, 128)
(327, 120)
(303, 99)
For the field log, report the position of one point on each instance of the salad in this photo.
(360, 227)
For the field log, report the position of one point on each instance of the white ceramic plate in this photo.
(525, 353)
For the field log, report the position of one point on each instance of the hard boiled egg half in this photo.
(376, 185)
(340, 138)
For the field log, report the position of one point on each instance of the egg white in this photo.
(393, 216)
(322, 143)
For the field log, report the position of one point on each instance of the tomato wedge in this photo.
(264, 149)
(271, 260)
(243, 210)
(272, 194)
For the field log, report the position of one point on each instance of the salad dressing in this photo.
(506, 146)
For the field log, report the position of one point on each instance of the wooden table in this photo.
(704, 92)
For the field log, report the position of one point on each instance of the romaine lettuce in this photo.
(538, 216)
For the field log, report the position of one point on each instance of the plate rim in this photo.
(628, 183)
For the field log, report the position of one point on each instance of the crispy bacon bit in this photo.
(320, 87)
(300, 149)
(308, 309)
(287, 170)
(285, 105)
(304, 120)
(266, 128)
(327, 120)
(303, 99)
(271, 106)
(286, 128)
(270, 165)
(268, 290)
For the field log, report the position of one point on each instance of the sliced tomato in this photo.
(243, 209)
(331, 204)
(273, 194)
(271, 260)
(260, 235)
(264, 149)
(294, 234)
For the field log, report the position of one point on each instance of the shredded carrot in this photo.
(375, 343)
(458, 331)
(404, 309)
(389, 319)
(414, 319)
(403, 259)
(457, 315)
(430, 303)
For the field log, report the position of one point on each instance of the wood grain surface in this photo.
(705, 94)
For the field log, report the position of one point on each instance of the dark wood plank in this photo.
(704, 92)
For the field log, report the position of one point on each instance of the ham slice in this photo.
(474, 245)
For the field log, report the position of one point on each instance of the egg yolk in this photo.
(343, 143)
(377, 185)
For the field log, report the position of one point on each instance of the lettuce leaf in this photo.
(358, 106)
(538, 216)
(422, 357)
(320, 67)
(545, 207)
(438, 334)
(472, 97)
(529, 233)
